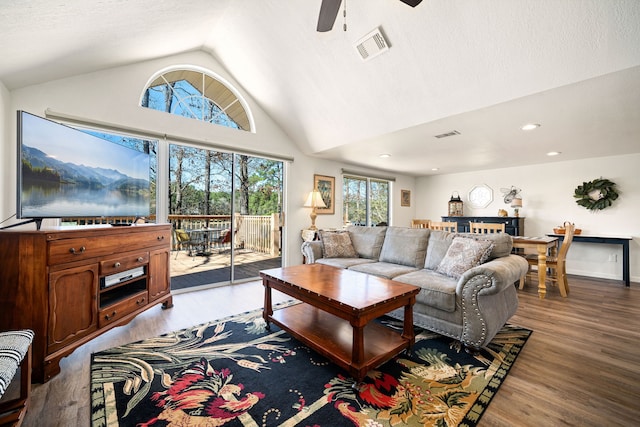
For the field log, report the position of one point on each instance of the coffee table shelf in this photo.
(332, 337)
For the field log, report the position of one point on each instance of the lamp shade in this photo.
(516, 202)
(314, 200)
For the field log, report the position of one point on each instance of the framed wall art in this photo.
(405, 198)
(326, 185)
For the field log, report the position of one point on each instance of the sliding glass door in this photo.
(226, 211)
(257, 215)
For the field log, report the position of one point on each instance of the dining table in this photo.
(204, 239)
(543, 246)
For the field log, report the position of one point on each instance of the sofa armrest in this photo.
(488, 298)
(501, 272)
(312, 251)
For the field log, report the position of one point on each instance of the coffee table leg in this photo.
(407, 330)
(357, 352)
(268, 310)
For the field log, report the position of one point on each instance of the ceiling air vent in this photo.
(372, 45)
(445, 135)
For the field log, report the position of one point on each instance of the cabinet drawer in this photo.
(117, 311)
(77, 249)
(123, 263)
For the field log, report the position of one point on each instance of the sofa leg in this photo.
(472, 350)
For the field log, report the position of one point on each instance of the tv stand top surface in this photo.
(71, 230)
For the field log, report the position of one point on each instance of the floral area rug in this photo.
(235, 372)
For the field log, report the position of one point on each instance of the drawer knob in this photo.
(110, 316)
(140, 259)
(160, 237)
(117, 265)
(81, 250)
(140, 301)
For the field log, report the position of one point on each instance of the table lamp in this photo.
(516, 204)
(314, 200)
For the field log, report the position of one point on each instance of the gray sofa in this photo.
(467, 280)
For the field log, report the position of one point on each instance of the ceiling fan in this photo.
(329, 12)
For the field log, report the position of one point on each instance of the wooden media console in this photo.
(71, 284)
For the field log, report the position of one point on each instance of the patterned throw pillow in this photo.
(464, 254)
(337, 244)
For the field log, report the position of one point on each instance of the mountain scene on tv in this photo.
(56, 188)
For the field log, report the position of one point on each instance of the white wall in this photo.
(547, 193)
(113, 96)
(7, 159)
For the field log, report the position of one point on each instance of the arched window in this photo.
(195, 94)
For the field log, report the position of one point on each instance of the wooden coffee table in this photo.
(337, 311)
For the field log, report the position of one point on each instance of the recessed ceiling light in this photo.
(530, 126)
(385, 155)
(553, 153)
(435, 169)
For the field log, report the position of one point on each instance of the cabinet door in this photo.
(159, 275)
(73, 305)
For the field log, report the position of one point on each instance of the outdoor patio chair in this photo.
(191, 241)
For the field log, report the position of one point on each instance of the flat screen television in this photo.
(66, 173)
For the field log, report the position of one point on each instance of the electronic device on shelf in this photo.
(120, 277)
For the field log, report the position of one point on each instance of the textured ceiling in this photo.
(483, 68)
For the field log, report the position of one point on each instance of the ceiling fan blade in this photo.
(328, 13)
(412, 3)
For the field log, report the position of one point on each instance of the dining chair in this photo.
(486, 228)
(420, 223)
(556, 264)
(451, 226)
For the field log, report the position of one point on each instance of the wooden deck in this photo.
(199, 270)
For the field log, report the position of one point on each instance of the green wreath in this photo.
(596, 195)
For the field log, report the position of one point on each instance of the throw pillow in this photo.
(337, 245)
(464, 254)
(502, 243)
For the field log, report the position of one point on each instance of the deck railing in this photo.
(259, 233)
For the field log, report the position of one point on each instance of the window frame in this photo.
(368, 180)
(218, 81)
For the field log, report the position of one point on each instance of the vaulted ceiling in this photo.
(482, 68)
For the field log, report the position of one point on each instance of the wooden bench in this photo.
(15, 351)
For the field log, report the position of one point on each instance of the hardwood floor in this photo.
(581, 366)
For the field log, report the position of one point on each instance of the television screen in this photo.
(64, 172)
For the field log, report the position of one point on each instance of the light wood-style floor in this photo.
(581, 366)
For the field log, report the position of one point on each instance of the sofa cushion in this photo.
(343, 262)
(337, 244)
(502, 243)
(405, 246)
(439, 242)
(367, 241)
(383, 269)
(437, 290)
(464, 254)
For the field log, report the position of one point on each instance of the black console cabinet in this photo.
(513, 225)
